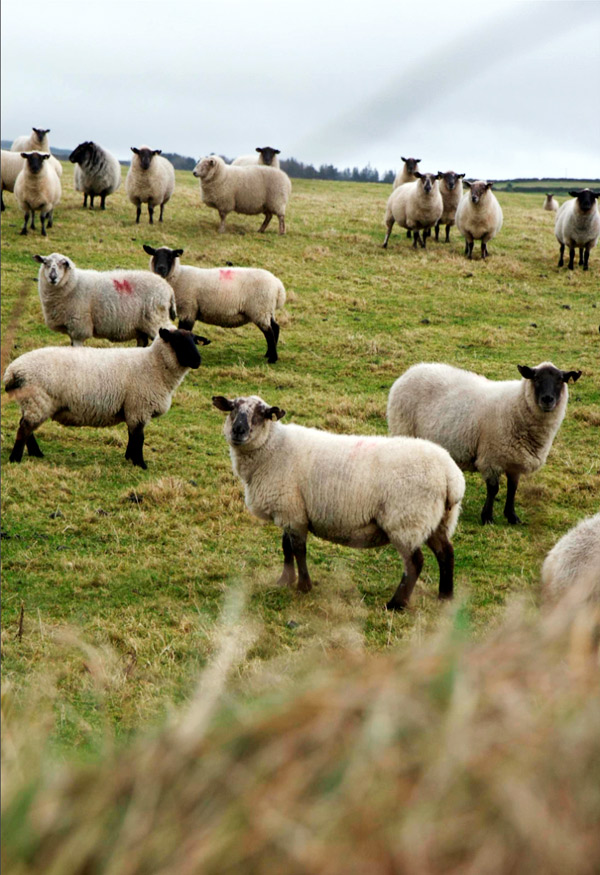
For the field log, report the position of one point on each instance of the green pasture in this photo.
(114, 577)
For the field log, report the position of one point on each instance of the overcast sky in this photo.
(493, 89)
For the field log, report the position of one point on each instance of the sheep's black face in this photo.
(268, 154)
(586, 199)
(184, 346)
(163, 259)
(247, 417)
(41, 132)
(548, 384)
(80, 153)
(145, 156)
(427, 181)
(479, 190)
(35, 160)
(411, 164)
(450, 178)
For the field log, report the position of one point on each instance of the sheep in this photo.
(228, 297)
(414, 205)
(578, 224)
(550, 203)
(356, 491)
(407, 174)
(451, 191)
(489, 426)
(117, 305)
(37, 187)
(97, 172)
(150, 179)
(478, 216)
(574, 559)
(35, 142)
(267, 156)
(10, 166)
(247, 190)
(99, 387)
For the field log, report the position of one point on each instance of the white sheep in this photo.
(150, 179)
(578, 225)
(37, 141)
(478, 216)
(97, 172)
(11, 164)
(99, 387)
(37, 188)
(407, 174)
(414, 205)
(494, 427)
(550, 203)
(357, 491)
(118, 304)
(451, 192)
(267, 156)
(226, 296)
(573, 560)
(247, 190)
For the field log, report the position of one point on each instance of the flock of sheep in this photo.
(359, 491)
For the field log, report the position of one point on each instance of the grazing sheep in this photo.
(574, 559)
(118, 304)
(408, 172)
(34, 142)
(100, 387)
(228, 297)
(550, 203)
(578, 224)
(416, 206)
(356, 491)
(489, 426)
(267, 156)
(451, 192)
(37, 187)
(97, 172)
(150, 179)
(247, 190)
(479, 216)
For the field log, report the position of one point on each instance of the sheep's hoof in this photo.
(487, 520)
(514, 520)
(24, 232)
(305, 585)
(286, 580)
(395, 606)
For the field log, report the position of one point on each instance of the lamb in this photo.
(479, 216)
(97, 172)
(408, 172)
(247, 190)
(415, 205)
(489, 426)
(228, 297)
(451, 191)
(150, 179)
(578, 224)
(357, 491)
(99, 387)
(267, 156)
(117, 305)
(37, 187)
(574, 559)
(551, 203)
(34, 142)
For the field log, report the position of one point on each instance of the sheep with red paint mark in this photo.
(228, 297)
(118, 305)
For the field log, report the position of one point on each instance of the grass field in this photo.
(114, 577)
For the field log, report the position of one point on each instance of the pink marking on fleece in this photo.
(362, 444)
(226, 274)
(123, 287)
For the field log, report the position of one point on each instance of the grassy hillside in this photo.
(100, 557)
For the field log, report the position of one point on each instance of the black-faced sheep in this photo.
(150, 180)
(97, 172)
(578, 225)
(478, 216)
(37, 189)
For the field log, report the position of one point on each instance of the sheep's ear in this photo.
(165, 334)
(133, 149)
(467, 183)
(419, 175)
(149, 249)
(277, 151)
(199, 340)
(528, 373)
(489, 184)
(573, 193)
(178, 253)
(45, 156)
(573, 375)
(258, 149)
(39, 258)
(276, 412)
(157, 152)
(402, 158)
(222, 403)
(23, 154)
(64, 262)
(461, 175)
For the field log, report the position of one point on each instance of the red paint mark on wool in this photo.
(226, 274)
(123, 287)
(362, 445)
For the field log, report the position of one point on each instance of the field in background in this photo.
(100, 557)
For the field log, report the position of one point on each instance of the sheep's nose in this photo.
(547, 400)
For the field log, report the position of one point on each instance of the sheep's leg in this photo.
(509, 507)
(24, 228)
(138, 213)
(487, 512)
(408, 234)
(222, 225)
(571, 264)
(2, 206)
(50, 218)
(580, 256)
(33, 448)
(150, 214)
(288, 575)
(135, 446)
(85, 201)
(91, 201)
(443, 551)
(24, 439)
(484, 249)
(103, 199)
(298, 545)
(437, 231)
(469, 249)
(142, 338)
(263, 227)
(43, 223)
(281, 224)
(416, 239)
(389, 231)
(275, 328)
(413, 567)
(162, 209)
(561, 259)
(447, 233)
(271, 353)
(33, 220)
(586, 257)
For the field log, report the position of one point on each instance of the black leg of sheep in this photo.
(413, 568)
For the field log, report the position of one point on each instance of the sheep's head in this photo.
(163, 259)
(55, 267)
(40, 132)
(586, 198)
(410, 164)
(548, 382)
(249, 420)
(184, 345)
(81, 152)
(145, 155)
(450, 178)
(268, 154)
(206, 167)
(428, 181)
(35, 160)
(478, 189)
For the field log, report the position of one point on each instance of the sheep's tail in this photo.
(280, 297)
(455, 490)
